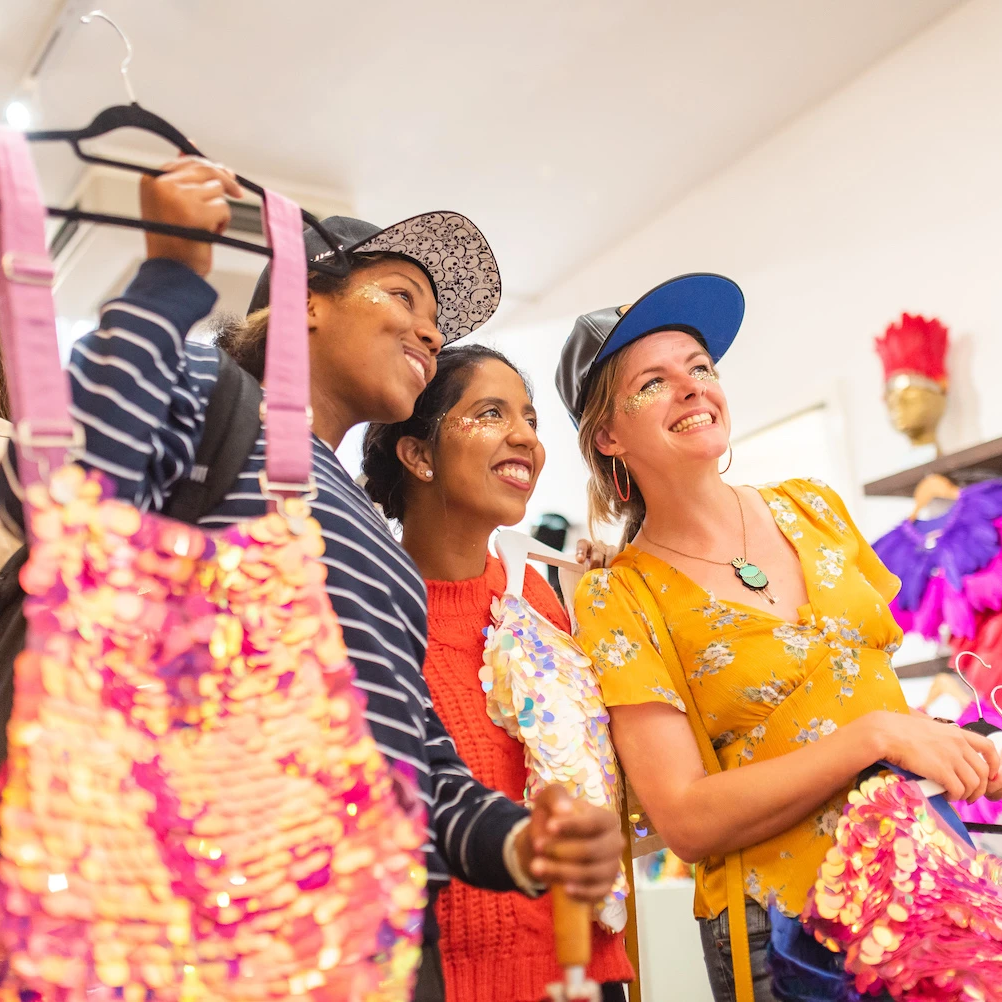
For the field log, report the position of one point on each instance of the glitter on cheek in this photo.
(638, 402)
(373, 293)
(483, 428)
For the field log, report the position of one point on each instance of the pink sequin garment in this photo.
(195, 808)
(916, 911)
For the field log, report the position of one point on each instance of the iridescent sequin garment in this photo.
(916, 911)
(543, 691)
(195, 809)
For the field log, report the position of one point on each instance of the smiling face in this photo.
(487, 458)
(373, 345)
(670, 410)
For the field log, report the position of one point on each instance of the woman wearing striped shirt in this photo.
(140, 392)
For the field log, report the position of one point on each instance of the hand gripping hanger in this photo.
(979, 726)
(46, 435)
(134, 116)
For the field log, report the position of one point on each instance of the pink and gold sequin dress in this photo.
(195, 808)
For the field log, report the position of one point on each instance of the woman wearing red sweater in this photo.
(464, 464)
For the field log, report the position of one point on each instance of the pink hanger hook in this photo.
(956, 667)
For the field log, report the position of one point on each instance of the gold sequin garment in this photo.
(195, 809)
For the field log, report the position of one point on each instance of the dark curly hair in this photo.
(385, 476)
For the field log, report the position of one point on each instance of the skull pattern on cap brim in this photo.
(459, 260)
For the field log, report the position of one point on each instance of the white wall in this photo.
(887, 197)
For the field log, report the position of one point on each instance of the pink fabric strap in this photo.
(288, 416)
(38, 387)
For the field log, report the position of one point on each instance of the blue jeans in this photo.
(716, 937)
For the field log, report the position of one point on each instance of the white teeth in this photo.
(415, 365)
(514, 471)
(692, 422)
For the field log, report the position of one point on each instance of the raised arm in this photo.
(139, 396)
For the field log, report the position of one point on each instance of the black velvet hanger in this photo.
(134, 116)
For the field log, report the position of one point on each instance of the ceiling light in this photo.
(18, 116)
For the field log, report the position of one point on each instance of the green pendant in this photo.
(752, 576)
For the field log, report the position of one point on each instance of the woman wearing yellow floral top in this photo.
(767, 604)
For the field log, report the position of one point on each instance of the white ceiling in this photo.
(559, 126)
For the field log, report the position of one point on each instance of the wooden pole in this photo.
(632, 929)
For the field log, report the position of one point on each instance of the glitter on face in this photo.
(638, 402)
(481, 427)
(373, 293)
(641, 400)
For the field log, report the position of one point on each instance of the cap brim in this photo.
(710, 305)
(459, 261)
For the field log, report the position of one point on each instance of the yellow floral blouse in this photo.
(763, 686)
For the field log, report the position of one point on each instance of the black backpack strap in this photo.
(12, 630)
(232, 425)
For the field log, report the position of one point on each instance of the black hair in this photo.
(244, 338)
(385, 476)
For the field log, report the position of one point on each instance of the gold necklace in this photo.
(750, 575)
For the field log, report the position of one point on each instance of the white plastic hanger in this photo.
(515, 548)
(927, 786)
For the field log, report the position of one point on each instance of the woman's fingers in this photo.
(572, 848)
(589, 883)
(986, 749)
(980, 768)
(182, 162)
(967, 772)
(593, 554)
(982, 758)
(191, 171)
(192, 193)
(952, 783)
(994, 791)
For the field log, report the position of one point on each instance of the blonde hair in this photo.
(604, 503)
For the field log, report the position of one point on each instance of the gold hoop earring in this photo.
(615, 479)
(730, 459)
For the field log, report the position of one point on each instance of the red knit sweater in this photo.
(495, 947)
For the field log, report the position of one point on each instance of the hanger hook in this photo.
(956, 665)
(87, 19)
(991, 696)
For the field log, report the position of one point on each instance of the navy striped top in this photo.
(140, 393)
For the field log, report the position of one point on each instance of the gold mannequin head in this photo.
(916, 405)
(913, 353)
